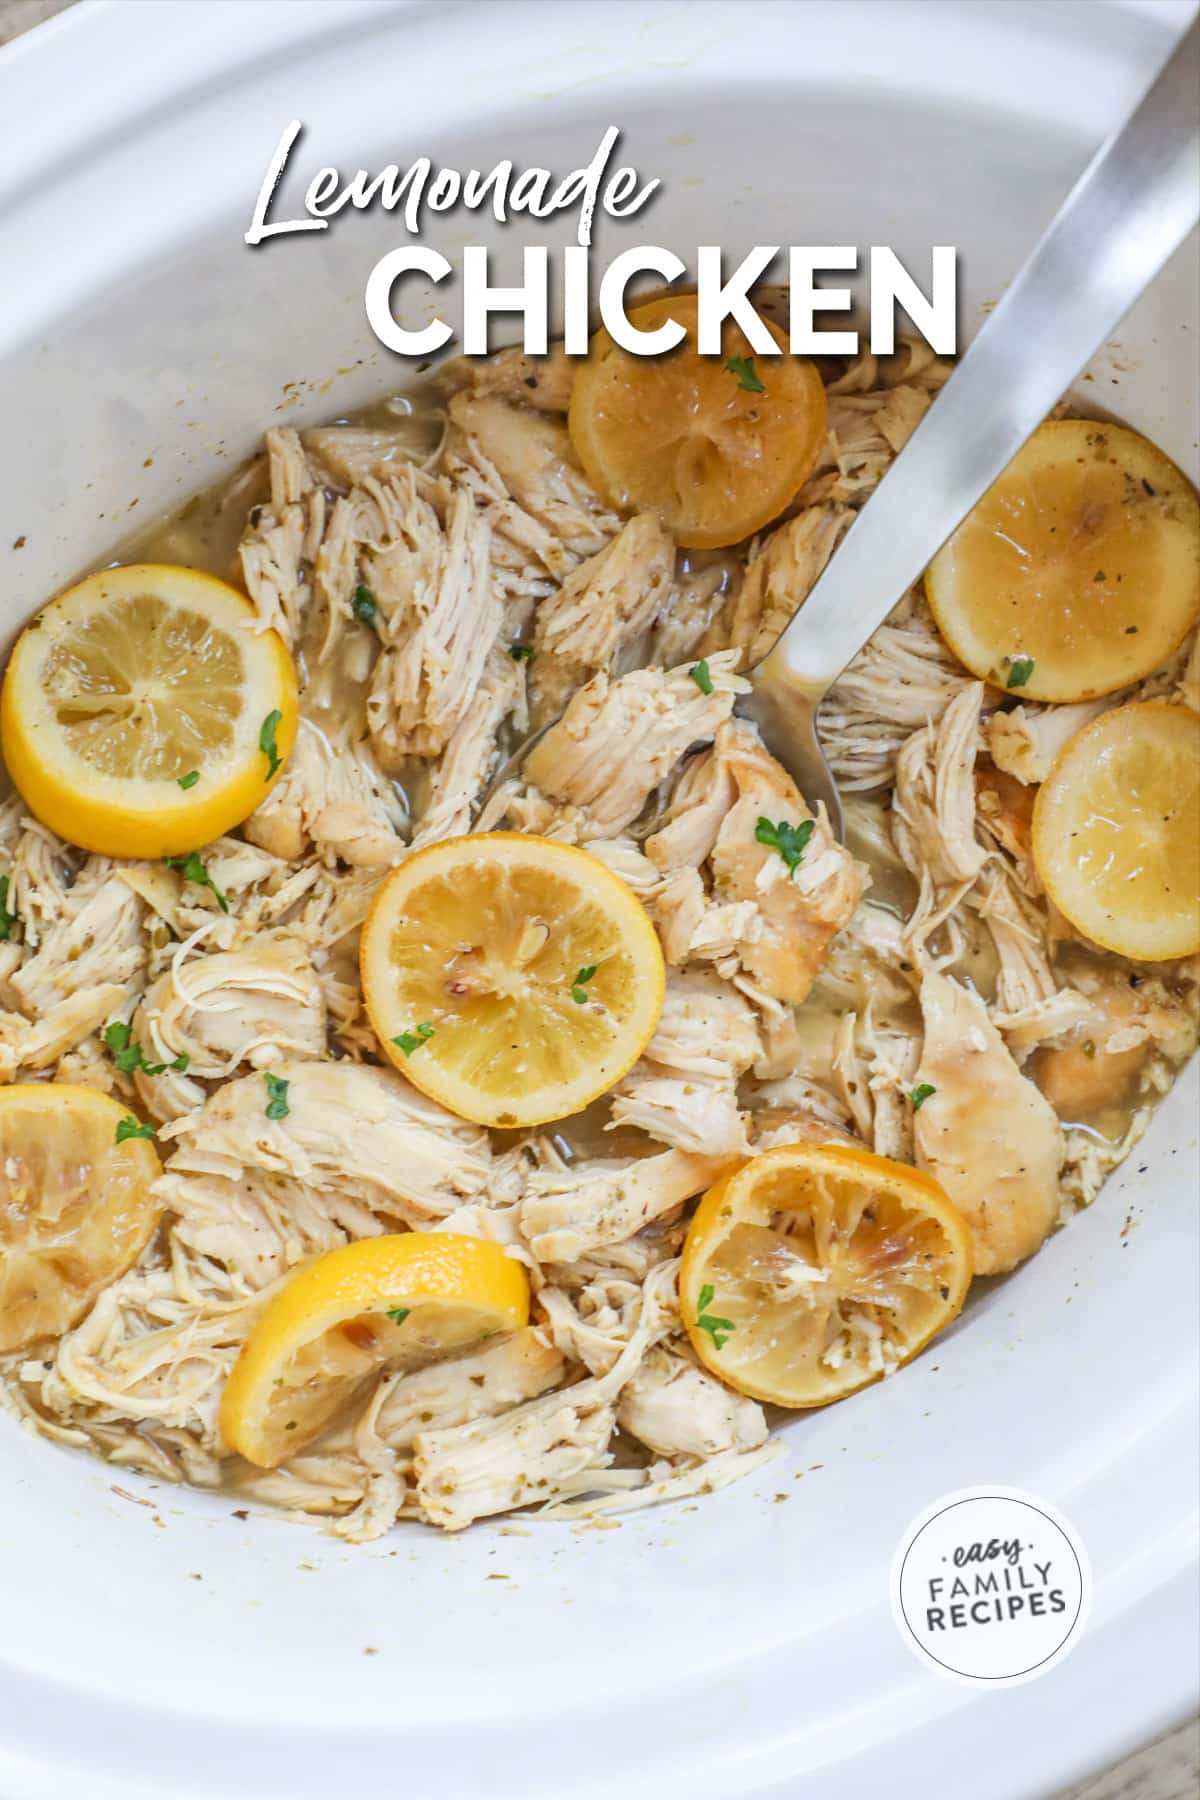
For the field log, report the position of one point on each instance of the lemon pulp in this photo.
(511, 977)
(1116, 831)
(1079, 570)
(145, 690)
(76, 1207)
(815, 1269)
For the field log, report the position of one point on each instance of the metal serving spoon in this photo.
(1134, 204)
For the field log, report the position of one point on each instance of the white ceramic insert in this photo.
(153, 1646)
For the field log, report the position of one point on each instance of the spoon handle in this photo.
(1133, 205)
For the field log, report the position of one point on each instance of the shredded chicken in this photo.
(901, 680)
(684, 1090)
(214, 1014)
(984, 1130)
(617, 740)
(447, 577)
(602, 608)
(543, 382)
(442, 621)
(933, 808)
(526, 465)
(1121, 1025)
(778, 580)
(1024, 741)
(676, 1409)
(568, 1211)
(753, 912)
(334, 798)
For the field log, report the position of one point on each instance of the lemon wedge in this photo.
(716, 446)
(399, 1301)
(143, 713)
(1116, 831)
(1079, 570)
(77, 1206)
(511, 977)
(814, 1269)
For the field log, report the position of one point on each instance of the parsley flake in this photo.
(920, 1094)
(702, 676)
(521, 652)
(277, 1097)
(363, 605)
(118, 1041)
(791, 841)
(579, 993)
(189, 780)
(7, 919)
(717, 1329)
(268, 745)
(398, 1314)
(192, 869)
(129, 1056)
(743, 368)
(410, 1041)
(131, 1128)
(1020, 668)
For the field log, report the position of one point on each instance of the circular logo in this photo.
(990, 1585)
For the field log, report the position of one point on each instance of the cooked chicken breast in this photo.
(984, 1131)
(617, 740)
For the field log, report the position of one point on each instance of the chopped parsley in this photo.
(1020, 668)
(743, 368)
(920, 1094)
(277, 1097)
(268, 745)
(131, 1128)
(128, 1056)
(791, 841)
(579, 993)
(521, 652)
(717, 1329)
(192, 869)
(398, 1314)
(363, 606)
(190, 780)
(702, 677)
(8, 920)
(410, 1041)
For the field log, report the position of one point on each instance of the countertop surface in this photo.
(1168, 1768)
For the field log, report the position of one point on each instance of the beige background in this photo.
(1168, 1769)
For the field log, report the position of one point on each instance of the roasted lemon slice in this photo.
(143, 714)
(716, 446)
(1078, 571)
(1116, 831)
(77, 1206)
(814, 1269)
(398, 1301)
(511, 977)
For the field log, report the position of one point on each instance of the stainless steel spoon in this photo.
(1134, 204)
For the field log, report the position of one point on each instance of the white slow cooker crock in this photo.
(154, 1645)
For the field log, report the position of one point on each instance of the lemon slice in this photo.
(510, 977)
(716, 446)
(814, 1269)
(77, 1208)
(398, 1301)
(143, 715)
(1079, 570)
(1116, 831)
